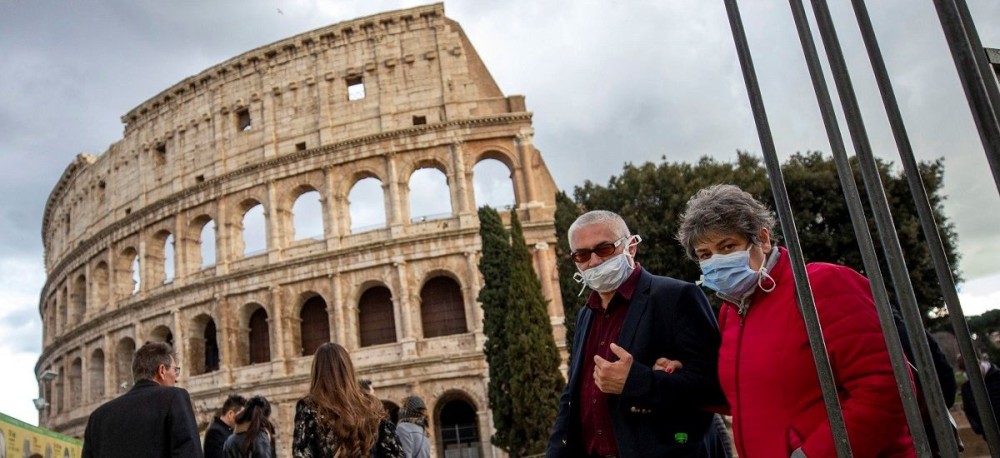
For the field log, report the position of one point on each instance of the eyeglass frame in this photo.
(600, 246)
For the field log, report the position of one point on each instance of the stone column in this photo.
(543, 268)
(525, 152)
(110, 367)
(475, 317)
(404, 309)
(226, 333)
(461, 195)
(274, 217)
(223, 237)
(277, 324)
(338, 315)
(331, 201)
(181, 346)
(393, 196)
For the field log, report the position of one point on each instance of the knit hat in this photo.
(412, 407)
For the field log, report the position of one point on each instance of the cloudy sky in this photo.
(611, 81)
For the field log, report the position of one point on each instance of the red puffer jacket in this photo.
(769, 378)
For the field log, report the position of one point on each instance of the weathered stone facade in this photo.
(259, 131)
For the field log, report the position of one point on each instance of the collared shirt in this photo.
(605, 326)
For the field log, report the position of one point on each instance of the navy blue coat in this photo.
(148, 421)
(657, 414)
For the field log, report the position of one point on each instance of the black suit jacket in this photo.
(149, 421)
(657, 414)
(216, 437)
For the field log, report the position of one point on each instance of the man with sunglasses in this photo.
(615, 404)
(153, 419)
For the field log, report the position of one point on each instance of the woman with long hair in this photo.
(337, 418)
(253, 436)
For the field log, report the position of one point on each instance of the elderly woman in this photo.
(766, 367)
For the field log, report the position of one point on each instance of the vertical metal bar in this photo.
(972, 81)
(883, 220)
(853, 198)
(980, 56)
(927, 223)
(802, 288)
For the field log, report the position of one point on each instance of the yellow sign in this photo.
(21, 440)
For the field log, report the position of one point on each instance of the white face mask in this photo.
(610, 274)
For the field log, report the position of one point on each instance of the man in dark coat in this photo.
(153, 419)
(991, 375)
(222, 425)
(615, 403)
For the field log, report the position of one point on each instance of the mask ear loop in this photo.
(762, 274)
(578, 277)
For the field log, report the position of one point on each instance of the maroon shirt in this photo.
(605, 326)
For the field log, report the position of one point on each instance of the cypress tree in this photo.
(532, 358)
(494, 264)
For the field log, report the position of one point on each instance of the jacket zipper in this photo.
(736, 372)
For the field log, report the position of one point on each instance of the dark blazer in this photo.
(215, 438)
(657, 414)
(149, 421)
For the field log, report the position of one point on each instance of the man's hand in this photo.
(610, 377)
(667, 365)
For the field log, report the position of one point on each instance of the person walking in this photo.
(222, 425)
(412, 428)
(253, 436)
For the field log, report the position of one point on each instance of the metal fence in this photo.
(973, 64)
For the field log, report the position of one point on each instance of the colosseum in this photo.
(191, 229)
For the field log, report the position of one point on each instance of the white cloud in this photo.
(980, 295)
(20, 327)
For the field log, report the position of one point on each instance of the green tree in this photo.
(652, 197)
(533, 360)
(566, 213)
(494, 264)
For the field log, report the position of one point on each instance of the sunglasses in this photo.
(602, 250)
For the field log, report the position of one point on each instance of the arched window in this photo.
(459, 429)
(96, 370)
(127, 273)
(491, 181)
(367, 205)
(168, 259)
(376, 317)
(307, 216)
(254, 231)
(203, 346)
(315, 325)
(162, 334)
(442, 310)
(75, 383)
(430, 197)
(211, 347)
(78, 300)
(259, 338)
(207, 239)
(123, 364)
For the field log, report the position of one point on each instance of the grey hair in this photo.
(722, 209)
(611, 220)
(148, 359)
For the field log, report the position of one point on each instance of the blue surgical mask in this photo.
(730, 274)
(610, 274)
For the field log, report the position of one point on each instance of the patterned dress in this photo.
(310, 440)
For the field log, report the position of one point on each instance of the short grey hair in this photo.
(609, 219)
(148, 359)
(722, 209)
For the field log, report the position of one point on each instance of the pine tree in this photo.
(494, 264)
(532, 358)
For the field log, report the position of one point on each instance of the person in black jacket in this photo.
(991, 375)
(154, 419)
(222, 425)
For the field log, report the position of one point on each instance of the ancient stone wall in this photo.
(129, 234)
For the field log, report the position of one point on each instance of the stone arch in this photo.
(199, 243)
(124, 351)
(493, 184)
(76, 383)
(162, 333)
(127, 272)
(434, 201)
(366, 202)
(252, 229)
(314, 323)
(78, 300)
(160, 263)
(306, 220)
(95, 368)
(508, 159)
(376, 316)
(442, 306)
(100, 280)
(203, 345)
(256, 335)
(456, 424)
